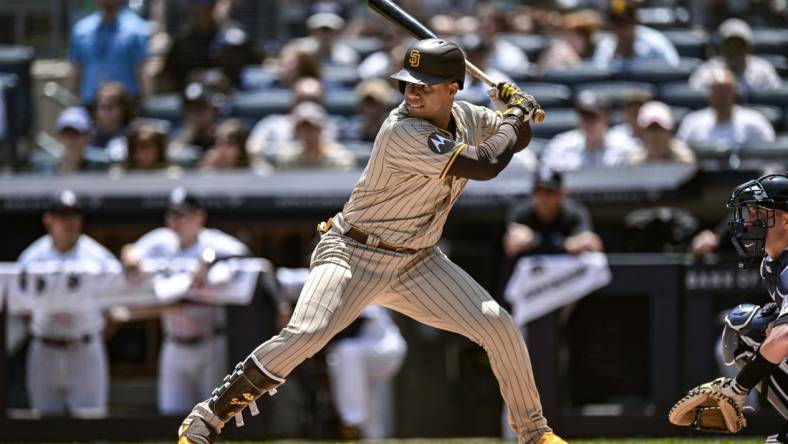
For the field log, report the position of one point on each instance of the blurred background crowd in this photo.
(233, 84)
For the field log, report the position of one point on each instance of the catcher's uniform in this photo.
(381, 249)
(67, 362)
(194, 353)
(775, 275)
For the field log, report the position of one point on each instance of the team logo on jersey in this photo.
(439, 144)
(414, 58)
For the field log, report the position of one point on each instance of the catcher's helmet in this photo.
(431, 61)
(753, 204)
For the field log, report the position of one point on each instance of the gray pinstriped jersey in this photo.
(405, 194)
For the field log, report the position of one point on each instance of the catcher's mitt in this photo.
(708, 409)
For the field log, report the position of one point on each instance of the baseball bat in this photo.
(393, 13)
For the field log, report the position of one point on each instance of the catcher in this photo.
(759, 224)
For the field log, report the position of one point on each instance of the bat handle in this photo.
(538, 115)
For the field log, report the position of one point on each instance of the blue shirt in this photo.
(108, 52)
(649, 44)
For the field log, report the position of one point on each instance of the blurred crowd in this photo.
(185, 84)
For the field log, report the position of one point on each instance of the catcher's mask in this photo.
(754, 204)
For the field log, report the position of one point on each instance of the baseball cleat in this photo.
(194, 430)
(551, 438)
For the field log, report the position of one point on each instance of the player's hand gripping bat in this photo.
(395, 14)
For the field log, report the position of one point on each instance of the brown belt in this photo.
(361, 237)
(65, 343)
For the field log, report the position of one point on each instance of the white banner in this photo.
(541, 284)
(70, 285)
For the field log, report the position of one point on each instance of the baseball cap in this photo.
(74, 117)
(182, 201)
(622, 11)
(734, 27)
(632, 96)
(585, 20)
(547, 178)
(325, 20)
(310, 112)
(656, 112)
(65, 201)
(591, 102)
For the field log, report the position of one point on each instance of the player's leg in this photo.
(344, 278)
(176, 383)
(88, 379)
(44, 371)
(347, 370)
(213, 366)
(439, 293)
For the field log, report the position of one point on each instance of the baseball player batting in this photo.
(381, 249)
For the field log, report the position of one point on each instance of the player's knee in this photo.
(497, 320)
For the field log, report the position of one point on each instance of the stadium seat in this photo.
(340, 75)
(688, 42)
(770, 41)
(341, 102)
(531, 44)
(255, 78)
(615, 91)
(557, 121)
(258, 104)
(164, 106)
(656, 71)
(680, 94)
(549, 95)
(364, 46)
(662, 17)
(776, 97)
(584, 73)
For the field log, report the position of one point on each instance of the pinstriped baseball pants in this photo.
(347, 276)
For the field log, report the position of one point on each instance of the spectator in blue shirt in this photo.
(108, 45)
(631, 41)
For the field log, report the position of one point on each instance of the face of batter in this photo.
(431, 102)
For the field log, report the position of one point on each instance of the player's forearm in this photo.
(486, 160)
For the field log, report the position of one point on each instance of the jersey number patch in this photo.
(440, 144)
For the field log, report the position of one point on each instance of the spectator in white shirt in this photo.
(752, 73)
(657, 123)
(591, 144)
(631, 41)
(325, 28)
(724, 123)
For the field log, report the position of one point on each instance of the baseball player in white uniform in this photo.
(194, 353)
(67, 371)
(362, 367)
(381, 249)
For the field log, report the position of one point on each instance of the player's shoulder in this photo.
(89, 248)
(37, 250)
(399, 122)
(223, 242)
